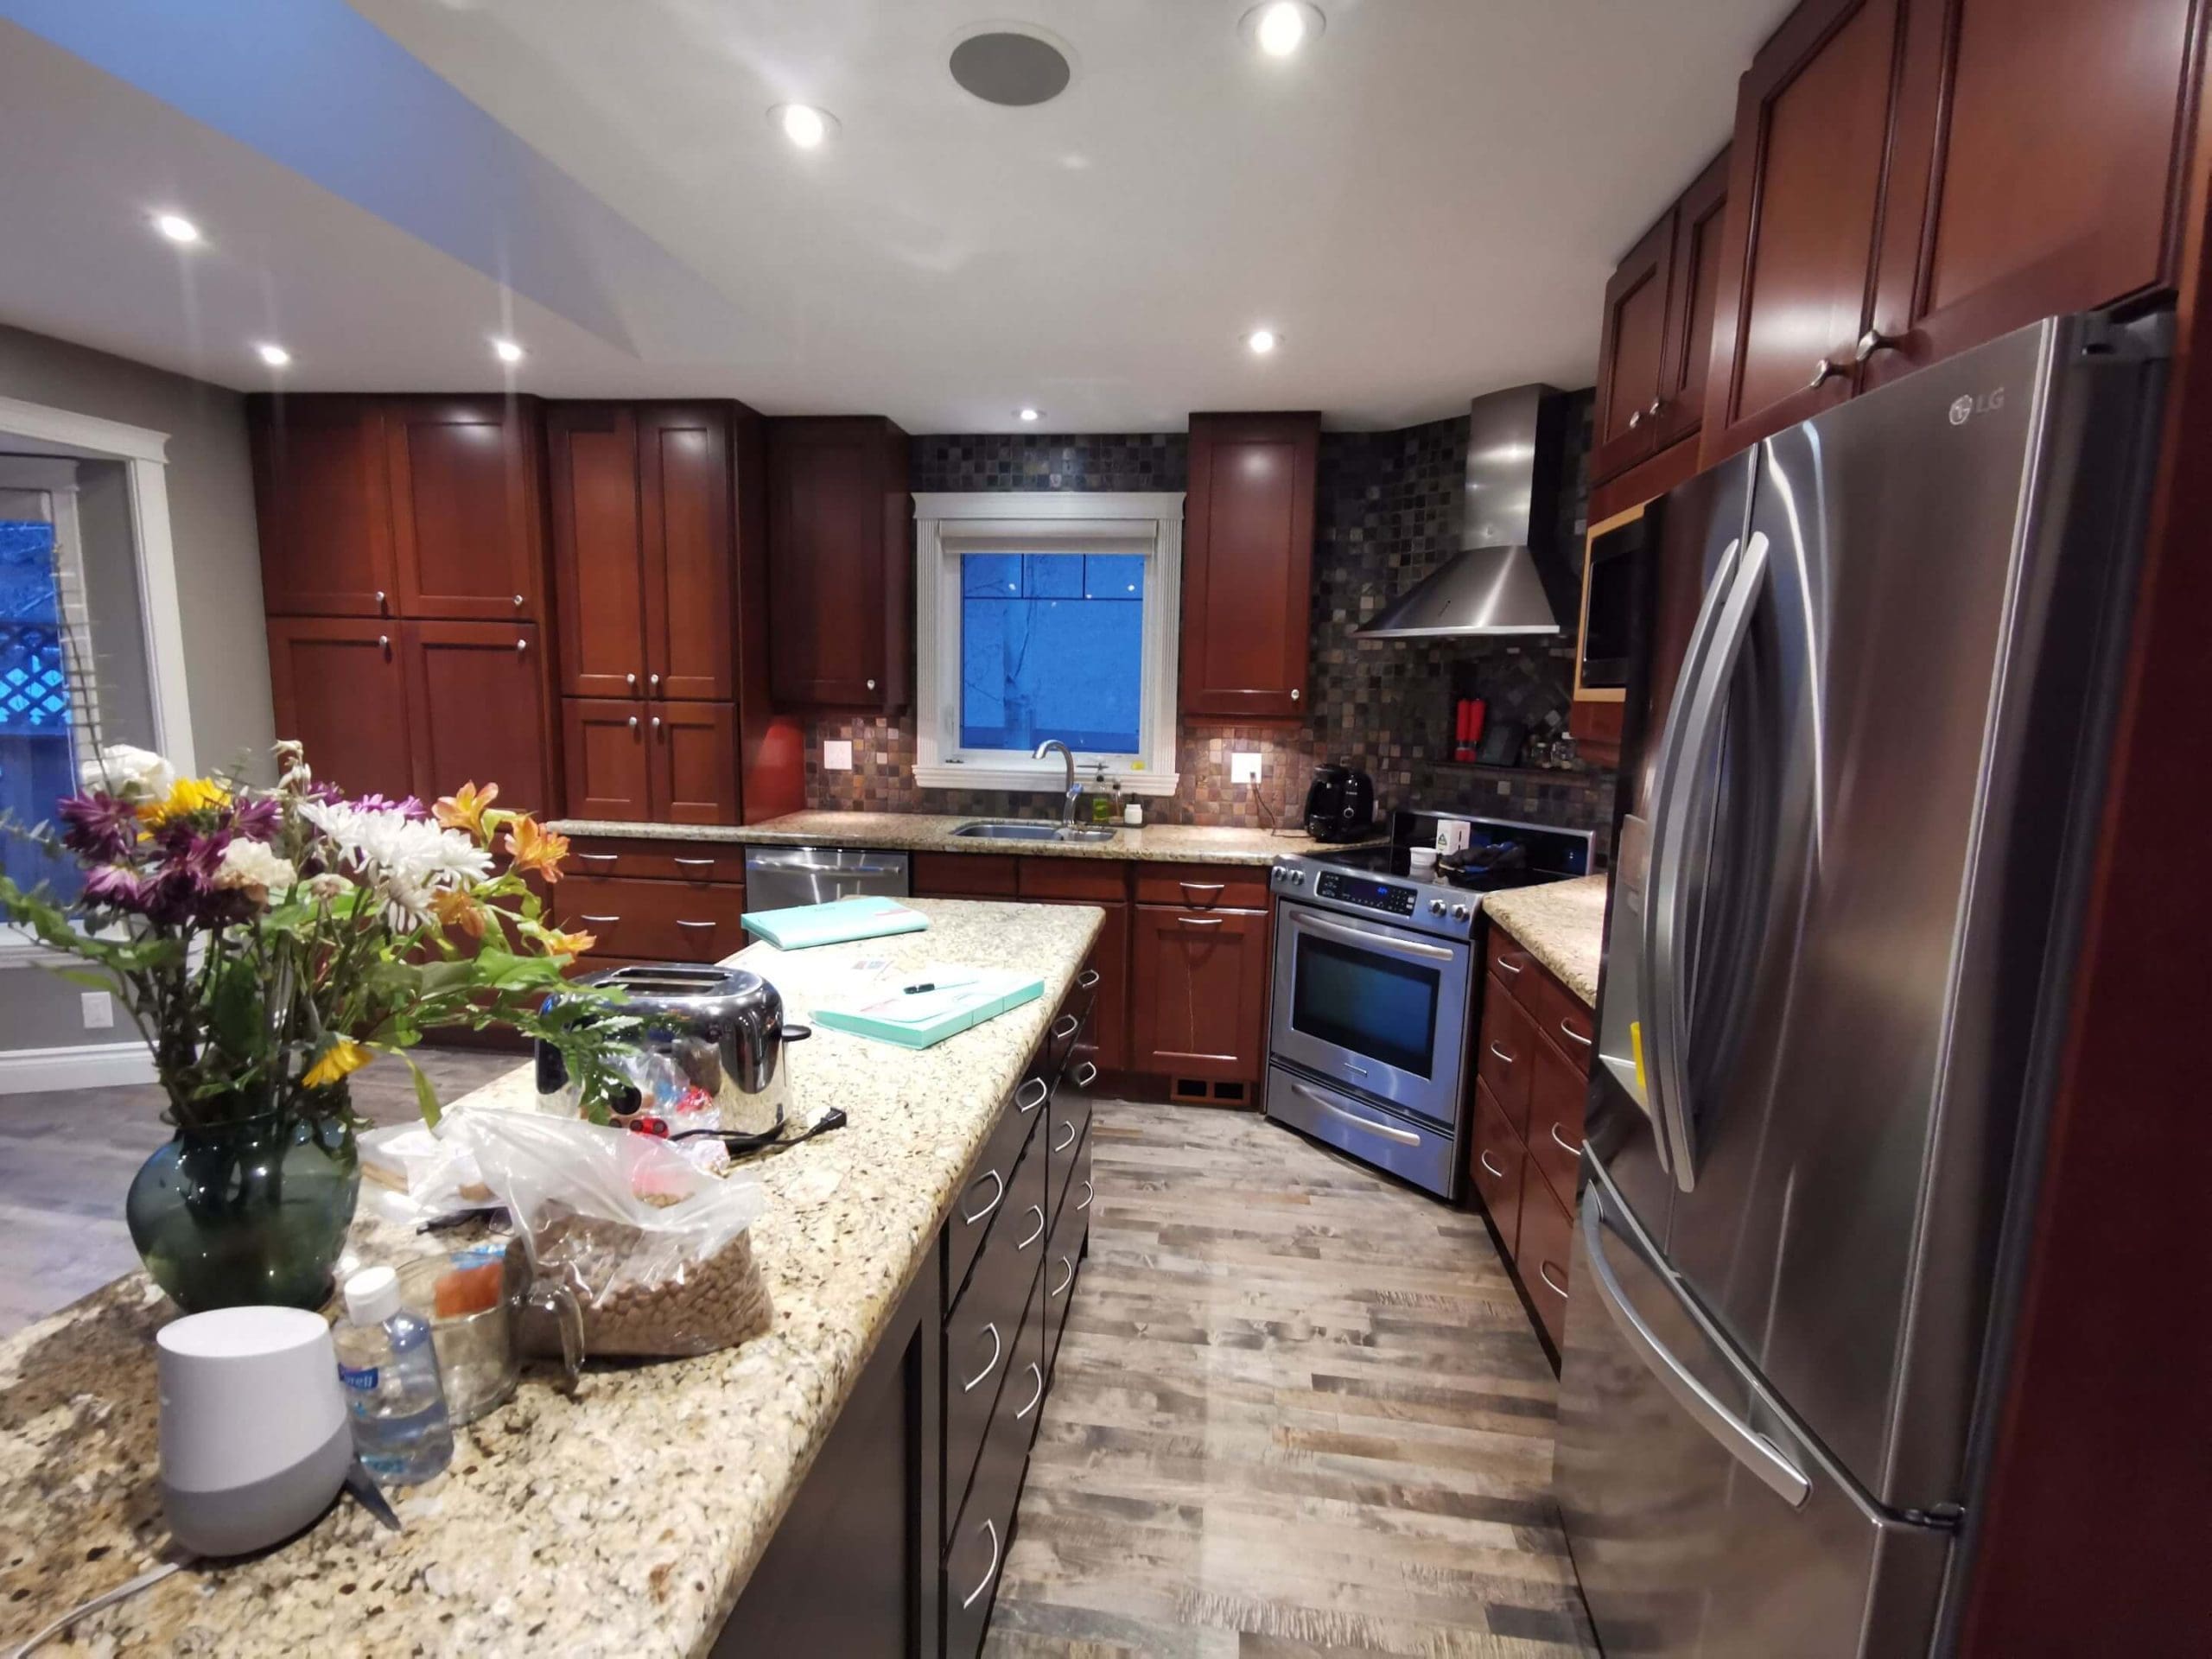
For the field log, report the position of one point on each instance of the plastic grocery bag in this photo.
(655, 1250)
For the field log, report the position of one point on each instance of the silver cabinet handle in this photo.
(1571, 1032)
(522, 644)
(1563, 1144)
(1544, 1273)
(1085, 1075)
(598, 858)
(1745, 1444)
(998, 1351)
(871, 685)
(656, 722)
(653, 681)
(1202, 886)
(997, 1180)
(383, 606)
(694, 863)
(1064, 1026)
(1086, 979)
(629, 679)
(991, 1526)
(1199, 921)
(600, 920)
(1505, 967)
(384, 644)
(680, 923)
(1486, 1164)
(1657, 405)
(1036, 1399)
(1824, 370)
(1073, 1130)
(518, 601)
(1038, 1211)
(1061, 1290)
(1027, 1106)
(1388, 1132)
(1874, 341)
(633, 722)
(1087, 1196)
(1635, 419)
(1294, 694)
(1501, 1053)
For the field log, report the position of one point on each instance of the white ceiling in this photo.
(1426, 202)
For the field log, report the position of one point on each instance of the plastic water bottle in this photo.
(390, 1368)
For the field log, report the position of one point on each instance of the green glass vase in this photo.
(249, 1212)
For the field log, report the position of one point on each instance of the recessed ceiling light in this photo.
(1263, 340)
(506, 350)
(1280, 26)
(1029, 415)
(804, 124)
(273, 354)
(176, 227)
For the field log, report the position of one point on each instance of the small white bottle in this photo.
(1133, 813)
(389, 1366)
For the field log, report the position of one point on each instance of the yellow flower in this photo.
(185, 797)
(341, 1059)
(464, 808)
(458, 913)
(534, 848)
(558, 944)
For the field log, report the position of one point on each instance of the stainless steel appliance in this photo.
(1340, 804)
(1842, 916)
(777, 878)
(1375, 980)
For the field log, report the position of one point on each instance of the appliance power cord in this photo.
(121, 1592)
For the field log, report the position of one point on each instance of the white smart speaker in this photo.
(255, 1439)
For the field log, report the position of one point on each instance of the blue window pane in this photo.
(37, 757)
(1052, 647)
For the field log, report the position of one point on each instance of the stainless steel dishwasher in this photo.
(777, 878)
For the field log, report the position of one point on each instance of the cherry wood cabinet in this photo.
(1084, 881)
(323, 494)
(465, 530)
(1248, 566)
(591, 452)
(477, 710)
(1199, 991)
(1700, 219)
(631, 761)
(605, 759)
(340, 687)
(1633, 353)
(839, 566)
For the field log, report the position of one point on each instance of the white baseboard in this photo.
(93, 1066)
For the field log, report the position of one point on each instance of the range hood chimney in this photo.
(1492, 585)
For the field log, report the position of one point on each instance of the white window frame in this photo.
(949, 523)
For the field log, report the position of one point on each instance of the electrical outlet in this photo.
(100, 1010)
(1244, 768)
(836, 754)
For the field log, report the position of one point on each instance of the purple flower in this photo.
(258, 820)
(117, 886)
(408, 807)
(194, 858)
(96, 825)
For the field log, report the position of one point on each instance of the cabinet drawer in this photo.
(1563, 1017)
(653, 921)
(657, 860)
(1509, 961)
(1095, 880)
(1203, 886)
(1494, 1166)
(1507, 1046)
(1069, 1027)
(990, 1185)
(983, 1337)
(976, 1548)
(1556, 1095)
(1064, 1257)
(1546, 1240)
(1070, 1119)
(963, 876)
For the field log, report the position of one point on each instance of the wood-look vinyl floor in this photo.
(66, 1157)
(1298, 1411)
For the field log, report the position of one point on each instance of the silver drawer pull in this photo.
(599, 921)
(1544, 1273)
(694, 863)
(1085, 1075)
(1061, 1290)
(997, 1198)
(1086, 979)
(1025, 1107)
(1087, 1196)
(1564, 1144)
(998, 1352)
(1404, 1137)
(1572, 1033)
(1501, 1053)
(1036, 1399)
(991, 1526)
(598, 858)
(1489, 1166)
(1064, 1026)
(1199, 921)
(1072, 1132)
(1505, 967)
(1202, 886)
(684, 923)
(1038, 1211)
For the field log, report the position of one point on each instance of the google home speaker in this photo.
(255, 1439)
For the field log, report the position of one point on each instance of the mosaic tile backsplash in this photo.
(1386, 514)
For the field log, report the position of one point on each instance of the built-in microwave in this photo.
(1613, 568)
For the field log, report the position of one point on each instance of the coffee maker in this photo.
(1340, 804)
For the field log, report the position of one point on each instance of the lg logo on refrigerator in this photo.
(1966, 406)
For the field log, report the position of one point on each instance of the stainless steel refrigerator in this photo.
(1860, 802)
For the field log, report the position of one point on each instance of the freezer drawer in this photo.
(1410, 1148)
(1701, 1524)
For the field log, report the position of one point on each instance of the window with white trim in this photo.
(1042, 617)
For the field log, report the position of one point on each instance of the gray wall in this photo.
(219, 585)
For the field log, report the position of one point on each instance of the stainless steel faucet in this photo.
(1067, 803)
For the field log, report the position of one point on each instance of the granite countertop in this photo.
(625, 1521)
(1563, 924)
(931, 832)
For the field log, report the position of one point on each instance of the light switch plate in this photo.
(100, 1010)
(1244, 768)
(836, 754)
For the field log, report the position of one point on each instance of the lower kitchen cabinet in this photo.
(652, 900)
(1198, 987)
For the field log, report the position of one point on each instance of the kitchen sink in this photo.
(1028, 830)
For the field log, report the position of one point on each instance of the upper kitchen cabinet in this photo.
(2038, 153)
(1701, 219)
(1805, 204)
(643, 550)
(465, 507)
(841, 569)
(1248, 565)
(340, 687)
(323, 498)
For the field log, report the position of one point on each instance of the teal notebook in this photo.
(802, 926)
(923, 1018)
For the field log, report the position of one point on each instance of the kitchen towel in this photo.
(802, 926)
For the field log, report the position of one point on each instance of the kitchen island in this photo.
(626, 1520)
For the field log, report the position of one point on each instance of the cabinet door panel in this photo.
(340, 689)
(324, 506)
(694, 762)
(605, 759)
(2037, 144)
(1694, 289)
(1494, 1162)
(464, 490)
(1812, 133)
(1247, 564)
(691, 574)
(1632, 354)
(476, 692)
(829, 573)
(601, 585)
(1198, 986)
(1506, 1061)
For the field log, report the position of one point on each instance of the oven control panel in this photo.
(1366, 891)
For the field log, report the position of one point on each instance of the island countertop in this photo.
(625, 1521)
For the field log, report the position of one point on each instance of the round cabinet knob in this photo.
(1436, 906)
(1460, 913)
(381, 605)
(871, 685)
(629, 679)
(1294, 694)
(633, 722)
(517, 601)
(1871, 342)
(522, 644)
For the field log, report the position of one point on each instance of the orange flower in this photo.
(558, 944)
(534, 848)
(458, 913)
(464, 808)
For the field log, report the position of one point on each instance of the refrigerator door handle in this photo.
(1745, 1444)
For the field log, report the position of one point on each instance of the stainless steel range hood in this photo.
(1491, 586)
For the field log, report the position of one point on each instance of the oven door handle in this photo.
(1388, 1132)
(1412, 947)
